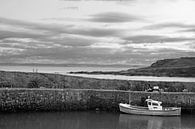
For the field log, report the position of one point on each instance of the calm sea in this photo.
(92, 120)
(65, 70)
(61, 70)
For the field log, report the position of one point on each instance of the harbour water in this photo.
(66, 70)
(92, 120)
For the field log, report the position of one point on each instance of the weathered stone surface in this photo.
(20, 99)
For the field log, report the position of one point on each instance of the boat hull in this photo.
(127, 108)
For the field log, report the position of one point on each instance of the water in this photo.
(61, 70)
(65, 70)
(92, 120)
(142, 78)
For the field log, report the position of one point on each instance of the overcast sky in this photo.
(96, 32)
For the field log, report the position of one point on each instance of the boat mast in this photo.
(129, 97)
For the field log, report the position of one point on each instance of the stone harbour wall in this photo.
(41, 99)
(19, 99)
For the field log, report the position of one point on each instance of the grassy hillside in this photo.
(183, 62)
(43, 80)
(180, 67)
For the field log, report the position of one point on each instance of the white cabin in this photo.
(154, 105)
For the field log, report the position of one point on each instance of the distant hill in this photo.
(182, 62)
(179, 67)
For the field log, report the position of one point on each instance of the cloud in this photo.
(55, 37)
(96, 32)
(71, 8)
(98, 55)
(45, 28)
(113, 17)
(71, 41)
(188, 30)
(169, 25)
(49, 42)
(54, 29)
(77, 44)
(73, 54)
(60, 35)
(155, 39)
(101, 0)
(12, 34)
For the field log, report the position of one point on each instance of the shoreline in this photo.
(147, 71)
(135, 78)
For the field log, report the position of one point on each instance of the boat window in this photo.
(149, 103)
(155, 104)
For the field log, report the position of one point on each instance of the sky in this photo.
(125, 32)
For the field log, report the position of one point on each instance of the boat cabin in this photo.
(154, 105)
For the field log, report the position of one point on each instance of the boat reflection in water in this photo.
(148, 122)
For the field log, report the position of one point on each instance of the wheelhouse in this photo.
(154, 105)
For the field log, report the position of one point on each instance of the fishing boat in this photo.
(154, 108)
